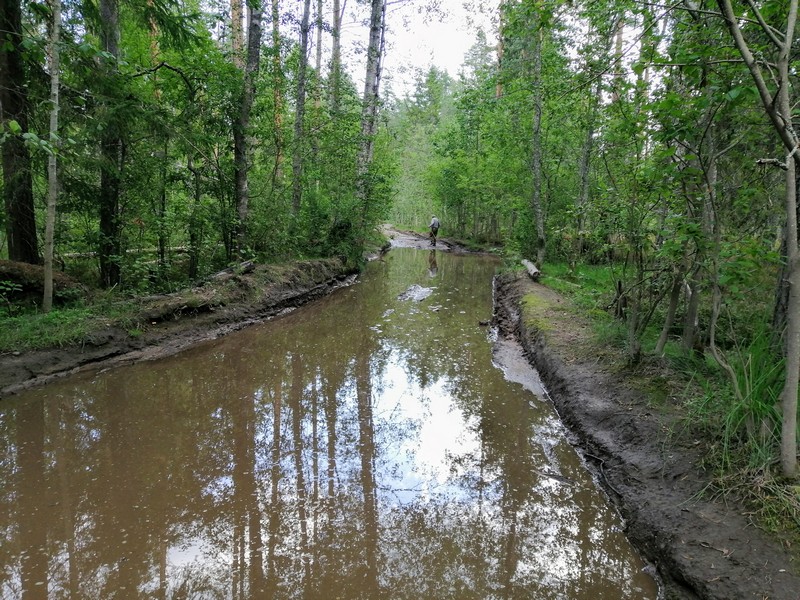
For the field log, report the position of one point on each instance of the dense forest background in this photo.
(170, 138)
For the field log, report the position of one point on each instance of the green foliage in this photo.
(7, 290)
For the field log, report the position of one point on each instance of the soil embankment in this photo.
(169, 323)
(701, 548)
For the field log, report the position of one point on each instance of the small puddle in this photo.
(365, 446)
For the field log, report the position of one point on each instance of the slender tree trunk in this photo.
(583, 170)
(277, 96)
(317, 97)
(536, 144)
(17, 176)
(369, 109)
(241, 140)
(336, 58)
(672, 309)
(195, 219)
(163, 241)
(690, 322)
(789, 393)
(778, 108)
(112, 157)
(300, 111)
(52, 160)
(237, 32)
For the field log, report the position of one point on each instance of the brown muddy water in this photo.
(375, 444)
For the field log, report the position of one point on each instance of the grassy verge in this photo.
(27, 329)
(63, 326)
(738, 423)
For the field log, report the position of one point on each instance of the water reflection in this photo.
(362, 447)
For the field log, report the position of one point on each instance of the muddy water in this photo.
(368, 446)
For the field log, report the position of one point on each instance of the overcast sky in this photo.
(418, 40)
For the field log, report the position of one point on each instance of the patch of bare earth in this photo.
(702, 548)
(166, 324)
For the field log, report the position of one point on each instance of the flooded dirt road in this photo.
(375, 444)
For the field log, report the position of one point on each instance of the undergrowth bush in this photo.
(737, 418)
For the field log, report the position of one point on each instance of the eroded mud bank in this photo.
(702, 549)
(170, 323)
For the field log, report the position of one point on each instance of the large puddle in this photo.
(366, 446)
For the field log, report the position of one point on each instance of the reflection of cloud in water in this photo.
(422, 459)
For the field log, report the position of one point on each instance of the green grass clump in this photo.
(63, 326)
(57, 328)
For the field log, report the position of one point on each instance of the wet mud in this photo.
(702, 549)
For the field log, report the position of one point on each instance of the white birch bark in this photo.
(369, 109)
(300, 111)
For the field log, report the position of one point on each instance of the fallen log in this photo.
(533, 272)
(240, 269)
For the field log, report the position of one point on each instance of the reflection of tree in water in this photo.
(257, 468)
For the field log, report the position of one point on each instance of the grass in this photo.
(26, 329)
(60, 327)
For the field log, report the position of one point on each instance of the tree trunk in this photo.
(583, 171)
(672, 309)
(112, 158)
(17, 177)
(241, 140)
(369, 109)
(300, 111)
(778, 108)
(336, 58)
(237, 32)
(195, 219)
(536, 144)
(277, 96)
(317, 96)
(789, 393)
(52, 160)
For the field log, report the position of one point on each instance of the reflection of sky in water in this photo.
(422, 457)
(477, 488)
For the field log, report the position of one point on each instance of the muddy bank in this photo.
(702, 549)
(169, 323)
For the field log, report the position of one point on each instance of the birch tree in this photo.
(52, 164)
(300, 111)
(778, 101)
(369, 110)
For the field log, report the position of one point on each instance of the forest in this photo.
(642, 154)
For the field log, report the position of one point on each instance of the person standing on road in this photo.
(434, 227)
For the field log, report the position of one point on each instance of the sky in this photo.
(416, 39)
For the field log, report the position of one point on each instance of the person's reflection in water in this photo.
(433, 268)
